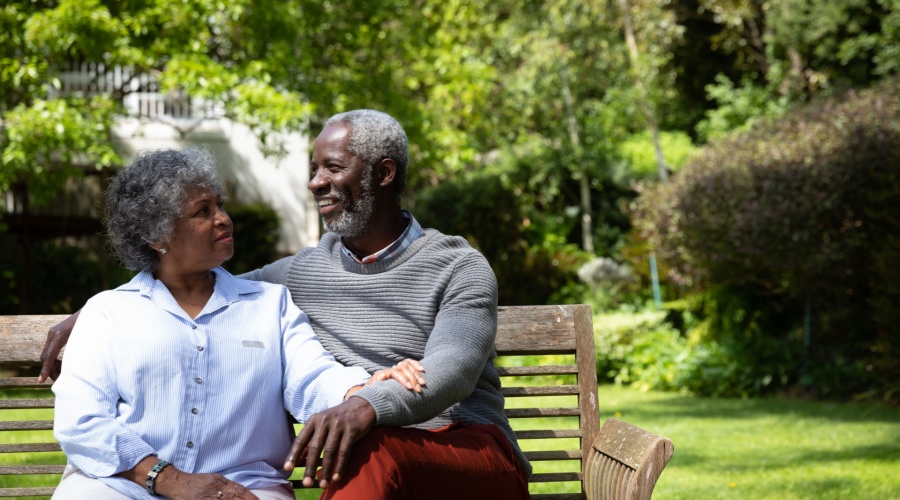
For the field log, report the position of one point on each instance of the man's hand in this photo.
(332, 433)
(56, 340)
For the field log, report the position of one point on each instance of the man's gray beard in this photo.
(354, 221)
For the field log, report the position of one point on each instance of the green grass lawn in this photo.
(767, 448)
(724, 448)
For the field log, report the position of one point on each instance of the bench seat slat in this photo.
(552, 390)
(29, 425)
(29, 447)
(15, 470)
(12, 404)
(519, 371)
(545, 434)
(569, 411)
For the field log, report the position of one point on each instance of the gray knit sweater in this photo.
(436, 302)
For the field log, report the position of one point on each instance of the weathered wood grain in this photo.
(625, 462)
(23, 337)
(12, 404)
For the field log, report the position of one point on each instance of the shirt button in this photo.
(198, 380)
(194, 327)
(195, 411)
(199, 347)
(190, 444)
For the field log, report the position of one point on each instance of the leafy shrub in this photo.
(644, 349)
(61, 276)
(489, 215)
(639, 152)
(803, 209)
(640, 349)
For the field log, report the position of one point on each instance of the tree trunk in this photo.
(647, 109)
(587, 226)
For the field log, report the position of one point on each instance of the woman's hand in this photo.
(186, 486)
(179, 485)
(408, 372)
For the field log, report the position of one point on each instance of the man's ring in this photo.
(219, 494)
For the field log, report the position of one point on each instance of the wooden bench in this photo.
(544, 353)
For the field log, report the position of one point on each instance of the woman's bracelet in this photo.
(151, 476)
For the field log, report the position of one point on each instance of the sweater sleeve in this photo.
(275, 272)
(457, 349)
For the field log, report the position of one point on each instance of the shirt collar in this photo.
(412, 232)
(227, 289)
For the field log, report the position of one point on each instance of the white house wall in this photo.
(252, 177)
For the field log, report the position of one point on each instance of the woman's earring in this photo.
(163, 251)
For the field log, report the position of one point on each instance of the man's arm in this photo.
(56, 340)
(277, 271)
(458, 347)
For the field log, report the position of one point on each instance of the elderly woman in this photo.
(175, 384)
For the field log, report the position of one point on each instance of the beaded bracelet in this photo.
(151, 476)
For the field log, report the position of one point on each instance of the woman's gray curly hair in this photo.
(147, 197)
(375, 136)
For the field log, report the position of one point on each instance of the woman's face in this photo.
(203, 236)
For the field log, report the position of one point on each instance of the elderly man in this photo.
(379, 288)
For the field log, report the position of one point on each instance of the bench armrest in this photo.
(624, 462)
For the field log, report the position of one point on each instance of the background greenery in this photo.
(535, 128)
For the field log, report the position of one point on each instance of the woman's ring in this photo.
(219, 494)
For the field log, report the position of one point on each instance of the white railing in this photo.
(139, 92)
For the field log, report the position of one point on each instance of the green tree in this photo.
(195, 47)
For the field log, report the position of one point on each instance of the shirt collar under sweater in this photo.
(331, 245)
(410, 234)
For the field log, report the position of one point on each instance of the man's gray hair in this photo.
(147, 197)
(375, 136)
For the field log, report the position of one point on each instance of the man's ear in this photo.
(386, 172)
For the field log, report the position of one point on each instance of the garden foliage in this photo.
(802, 210)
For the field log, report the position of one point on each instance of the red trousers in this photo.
(456, 462)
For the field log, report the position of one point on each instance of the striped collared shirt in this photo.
(207, 394)
(411, 234)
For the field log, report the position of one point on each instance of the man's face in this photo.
(341, 184)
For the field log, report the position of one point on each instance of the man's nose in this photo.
(318, 181)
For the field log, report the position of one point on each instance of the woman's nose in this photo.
(222, 217)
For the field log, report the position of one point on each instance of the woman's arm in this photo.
(86, 402)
